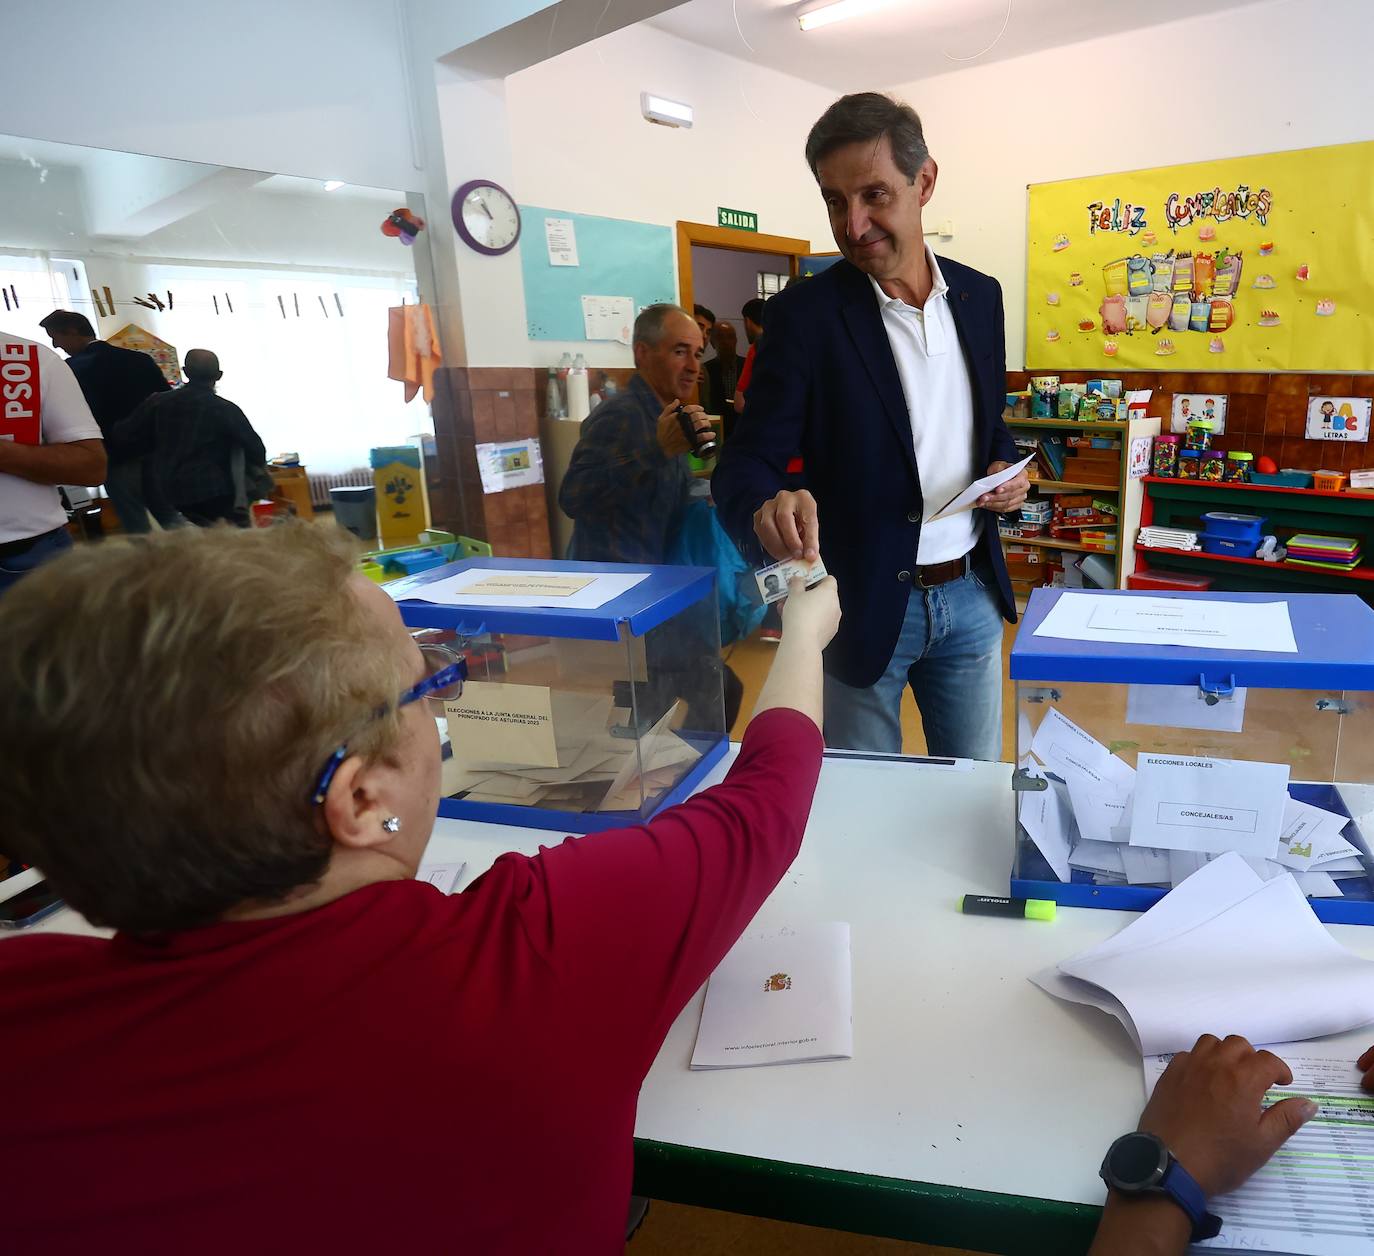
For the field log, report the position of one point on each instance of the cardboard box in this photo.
(292, 490)
(402, 504)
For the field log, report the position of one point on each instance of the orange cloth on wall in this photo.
(413, 353)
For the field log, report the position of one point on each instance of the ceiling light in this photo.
(663, 111)
(838, 12)
(333, 185)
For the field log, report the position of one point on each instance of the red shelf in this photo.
(1209, 485)
(1360, 573)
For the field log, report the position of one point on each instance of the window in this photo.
(33, 286)
(771, 283)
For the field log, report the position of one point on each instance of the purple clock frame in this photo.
(456, 212)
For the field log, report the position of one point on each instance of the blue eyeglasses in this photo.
(446, 670)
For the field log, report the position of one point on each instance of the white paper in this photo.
(964, 500)
(1315, 1196)
(1184, 706)
(1049, 823)
(1232, 951)
(1099, 857)
(1311, 836)
(509, 464)
(560, 235)
(443, 876)
(1145, 866)
(608, 318)
(604, 587)
(1186, 620)
(1211, 805)
(780, 996)
(1317, 884)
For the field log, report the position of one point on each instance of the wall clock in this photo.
(486, 217)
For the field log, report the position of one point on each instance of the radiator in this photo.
(359, 477)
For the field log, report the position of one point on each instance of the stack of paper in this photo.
(1229, 953)
(582, 766)
(1167, 538)
(1158, 823)
(781, 996)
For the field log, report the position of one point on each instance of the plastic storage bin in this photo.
(1170, 581)
(1229, 526)
(1312, 711)
(617, 711)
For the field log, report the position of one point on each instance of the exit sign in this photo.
(740, 219)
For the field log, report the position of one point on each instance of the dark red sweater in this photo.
(395, 1071)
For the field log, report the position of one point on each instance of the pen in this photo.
(990, 905)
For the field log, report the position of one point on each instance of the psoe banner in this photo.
(1241, 264)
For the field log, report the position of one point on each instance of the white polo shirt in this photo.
(28, 509)
(939, 403)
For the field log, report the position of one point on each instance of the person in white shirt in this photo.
(887, 373)
(48, 437)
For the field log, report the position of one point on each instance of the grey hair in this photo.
(868, 116)
(649, 324)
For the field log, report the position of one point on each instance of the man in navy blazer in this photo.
(887, 373)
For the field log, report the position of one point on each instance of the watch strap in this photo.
(1182, 1188)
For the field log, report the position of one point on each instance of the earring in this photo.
(392, 824)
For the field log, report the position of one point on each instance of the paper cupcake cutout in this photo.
(1061, 242)
(1266, 249)
(1109, 348)
(1164, 348)
(1326, 307)
(1216, 345)
(1264, 281)
(1052, 334)
(1206, 232)
(1268, 318)
(1075, 279)
(1087, 325)
(1051, 298)
(1302, 274)
(1148, 238)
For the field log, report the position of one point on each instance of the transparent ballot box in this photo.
(1142, 754)
(591, 709)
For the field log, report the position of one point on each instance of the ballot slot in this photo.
(1159, 760)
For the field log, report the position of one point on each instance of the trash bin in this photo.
(356, 510)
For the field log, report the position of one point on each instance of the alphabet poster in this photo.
(1261, 263)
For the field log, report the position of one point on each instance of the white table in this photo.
(976, 1109)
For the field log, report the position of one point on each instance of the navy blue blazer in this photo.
(825, 385)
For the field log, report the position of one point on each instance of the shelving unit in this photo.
(1128, 492)
(1181, 503)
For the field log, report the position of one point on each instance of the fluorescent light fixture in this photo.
(838, 12)
(333, 185)
(663, 111)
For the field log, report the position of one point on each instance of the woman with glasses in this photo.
(221, 746)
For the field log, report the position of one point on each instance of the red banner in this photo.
(20, 398)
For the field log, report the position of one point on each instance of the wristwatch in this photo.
(1140, 1164)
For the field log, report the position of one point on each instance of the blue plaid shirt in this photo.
(622, 492)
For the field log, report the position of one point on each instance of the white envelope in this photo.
(1213, 805)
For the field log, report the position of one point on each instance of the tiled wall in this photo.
(1265, 414)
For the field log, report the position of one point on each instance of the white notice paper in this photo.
(1187, 620)
(608, 318)
(1185, 706)
(1048, 823)
(781, 996)
(598, 589)
(443, 876)
(560, 234)
(1211, 805)
(1311, 836)
(509, 464)
(964, 500)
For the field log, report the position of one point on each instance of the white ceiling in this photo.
(913, 39)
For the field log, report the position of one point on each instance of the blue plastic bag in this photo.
(702, 542)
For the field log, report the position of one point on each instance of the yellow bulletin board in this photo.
(1246, 264)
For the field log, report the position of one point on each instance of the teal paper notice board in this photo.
(617, 258)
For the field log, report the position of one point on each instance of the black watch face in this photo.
(1138, 1160)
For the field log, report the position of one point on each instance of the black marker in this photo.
(989, 905)
(689, 430)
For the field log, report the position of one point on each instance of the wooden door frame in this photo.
(690, 233)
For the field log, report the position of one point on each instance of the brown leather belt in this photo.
(935, 574)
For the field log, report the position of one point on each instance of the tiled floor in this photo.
(674, 1230)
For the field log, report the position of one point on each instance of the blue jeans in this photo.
(14, 567)
(950, 652)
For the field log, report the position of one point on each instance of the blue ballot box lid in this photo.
(1334, 633)
(666, 592)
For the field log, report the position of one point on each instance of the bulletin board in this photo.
(616, 258)
(1259, 263)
